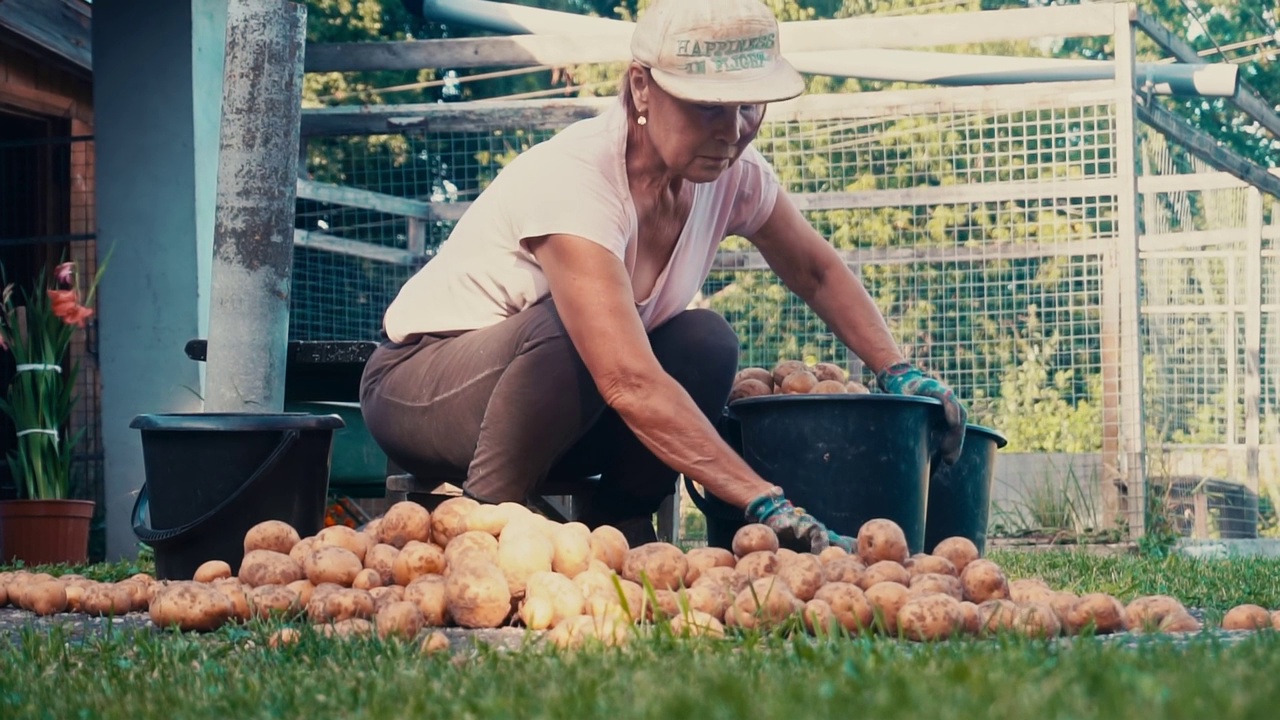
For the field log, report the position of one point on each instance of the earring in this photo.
(642, 120)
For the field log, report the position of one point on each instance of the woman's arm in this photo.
(812, 269)
(593, 295)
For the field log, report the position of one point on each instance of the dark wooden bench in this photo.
(328, 371)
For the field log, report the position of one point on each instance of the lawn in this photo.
(232, 673)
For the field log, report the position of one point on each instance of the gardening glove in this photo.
(793, 525)
(906, 379)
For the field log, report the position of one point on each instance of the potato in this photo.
(1179, 622)
(302, 550)
(405, 521)
(428, 593)
(785, 368)
(885, 571)
(937, 583)
(798, 383)
(749, 388)
(481, 543)
(341, 604)
(853, 387)
(550, 598)
(1147, 612)
(1099, 611)
(998, 615)
(829, 387)
(351, 627)
(140, 593)
(1275, 620)
(887, 598)
(584, 629)
(268, 567)
(1062, 602)
(384, 595)
(1037, 620)
(765, 603)
(47, 597)
(696, 623)
(303, 589)
(382, 558)
(959, 550)
(819, 618)
(880, 540)
(1246, 617)
(267, 601)
(371, 529)
(726, 577)
(436, 642)
(628, 600)
(235, 591)
(983, 580)
(522, 554)
(401, 620)
(663, 565)
(754, 537)
(343, 537)
(758, 374)
(1029, 590)
(711, 599)
(609, 546)
(758, 564)
(927, 618)
(572, 543)
(415, 560)
(804, 575)
(74, 592)
(212, 570)
(594, 580)
(921, 564)
(332, 564)
(971, 621)
(849, 605)
(273, 535)
(449, 520)
(106, 599)
(282, 637)
(367, 579)
(705, 558)
(830, 372)
(190, 607)
(845, 569)
(834, 552)
(477, 595)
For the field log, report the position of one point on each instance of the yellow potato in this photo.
(712, 599)
(704, 558)
(343, 537)
(1148, 612)
(1029, 590)
(696, 624)
(1180, 622)
(405, 521)
(1038, 620)
(268, 567)
(333, 564)
(983, 580)
(765, 603)
(191, 607)
(830, 372)
(834, 552)
(480, 543)
(829, 387)
(521, 554)
(477, 595)
(282, 637)
(723, 576)
(927, 618)
(384, 595)
(401, 620)
(48, 597)
(971, 618)
(804, 575)
(998, 615)
(849, 605)
(450, 520)
(885, 571)
(609, 546)
(234, 591)
(844, 569)
(436, 642)
(1099, 611)
(367, 579)
(210, 571)
(798, 383)
(572, 543)
(351, 627)
(303, 589)
(758, 374)
(273, 535)
(937, 583)
(487, 518)
(341, 604)
(663, 565)
(749, 388)
(882, 539)
(382, 558)
(819, 618)
(758, 564)
(1246, 617)
(887, 598)
(415, 560)
(267, 601)
(959, 550)
(754, 537)
(785, 368)
(550, 598)
(106, 599)
(921, 564)
(302, 549)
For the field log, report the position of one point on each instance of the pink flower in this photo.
(64, 274)
(66, 305)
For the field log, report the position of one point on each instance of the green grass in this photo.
(231, 673)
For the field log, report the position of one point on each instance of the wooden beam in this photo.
(1189, 182)
(367, 199)
(449, 117)
(459, 53)
(61, 27)
(956, 194)
(1246, 98)
(733, 260)
(354, 248)
(1206, 147)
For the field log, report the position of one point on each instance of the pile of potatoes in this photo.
(794, 377)
(488, 566)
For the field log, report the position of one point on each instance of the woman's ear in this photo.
(639, 78)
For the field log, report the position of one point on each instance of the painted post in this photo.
(253, 230)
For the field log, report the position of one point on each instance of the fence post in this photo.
(253, 228)
(1123, 471)
(1252, 337)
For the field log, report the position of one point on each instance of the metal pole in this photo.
(1253, 296)
(253, 229)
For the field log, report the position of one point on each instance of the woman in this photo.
(549, 337)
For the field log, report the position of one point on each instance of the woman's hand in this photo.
(906, 379)
(793, 525)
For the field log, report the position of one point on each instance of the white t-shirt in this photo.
(574, 183)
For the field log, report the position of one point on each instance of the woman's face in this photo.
(695, 141)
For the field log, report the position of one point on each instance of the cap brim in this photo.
(783, 82)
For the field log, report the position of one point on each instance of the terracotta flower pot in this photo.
(40, 532)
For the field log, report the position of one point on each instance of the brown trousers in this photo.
(503, 408)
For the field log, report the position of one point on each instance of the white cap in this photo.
(715, 51)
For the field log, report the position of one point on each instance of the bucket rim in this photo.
(761, 400)
(996, 435)
(242, 422)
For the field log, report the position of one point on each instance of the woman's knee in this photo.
(701, 336)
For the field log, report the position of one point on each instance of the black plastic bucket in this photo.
(212, 476)
(846, 459)
(960, 494)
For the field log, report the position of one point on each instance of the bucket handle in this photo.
(705, 505)
(152, 537)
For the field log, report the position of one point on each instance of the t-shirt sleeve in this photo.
(758, 190)
(557, 195)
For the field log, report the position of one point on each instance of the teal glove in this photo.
(906, 379)
(793, 525)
